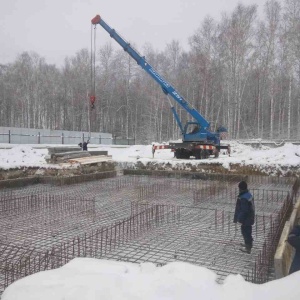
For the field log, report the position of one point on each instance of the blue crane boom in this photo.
(167, 88)
(202, 133)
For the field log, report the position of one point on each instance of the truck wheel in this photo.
(177, 153)
(197, 153)
(187, 155)
(182, 154)
(204, 154)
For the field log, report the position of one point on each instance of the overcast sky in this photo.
(58, 28)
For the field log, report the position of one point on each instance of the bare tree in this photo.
(237, 50)
(272, 9)
(291, 46)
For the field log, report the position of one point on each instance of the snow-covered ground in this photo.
(287, 156)
(87, 279)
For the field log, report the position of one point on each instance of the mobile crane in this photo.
(199, 142)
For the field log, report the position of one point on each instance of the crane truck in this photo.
(197, 139)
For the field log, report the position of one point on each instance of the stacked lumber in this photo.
(64, 154)
(91, 160)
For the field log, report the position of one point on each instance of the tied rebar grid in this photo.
(36, 218)
(208, 237)
(97, 243)
(44, 236)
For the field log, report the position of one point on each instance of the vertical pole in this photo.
(9, 136)
(62, 138)
(216, 219)
(82, 141)
(39, 138)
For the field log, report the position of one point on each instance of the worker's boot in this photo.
(246, 249)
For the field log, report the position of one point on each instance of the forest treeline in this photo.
(242, 72)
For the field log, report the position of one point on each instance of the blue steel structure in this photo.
(200, 142)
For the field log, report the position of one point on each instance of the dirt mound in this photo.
(56, 172)
(212, 168)
(220, 169)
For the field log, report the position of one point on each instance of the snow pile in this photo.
(266, 159)
(22, 156)
(286, 155)
(91, 279)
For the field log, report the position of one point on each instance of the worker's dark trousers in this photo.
(247, 235)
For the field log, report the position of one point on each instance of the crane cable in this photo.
(93, 65)
(93, 77)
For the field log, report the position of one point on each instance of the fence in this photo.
(13, 135)
(123, 141)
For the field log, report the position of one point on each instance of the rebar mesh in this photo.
(141, 219)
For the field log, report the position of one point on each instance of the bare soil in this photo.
(218, 168)
(54, 172)
(153, 166)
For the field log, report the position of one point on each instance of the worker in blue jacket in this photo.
(244, 215)
(294, 241)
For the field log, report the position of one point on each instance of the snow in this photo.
(22, 156)
(265, 159)
(87, 278)
(91, 279)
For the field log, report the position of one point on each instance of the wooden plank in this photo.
(285, 252)
(54, 150)
(91, 160)
(97, 153)
(72, 154)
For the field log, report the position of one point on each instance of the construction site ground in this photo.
(141, 216)
(137, 212)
